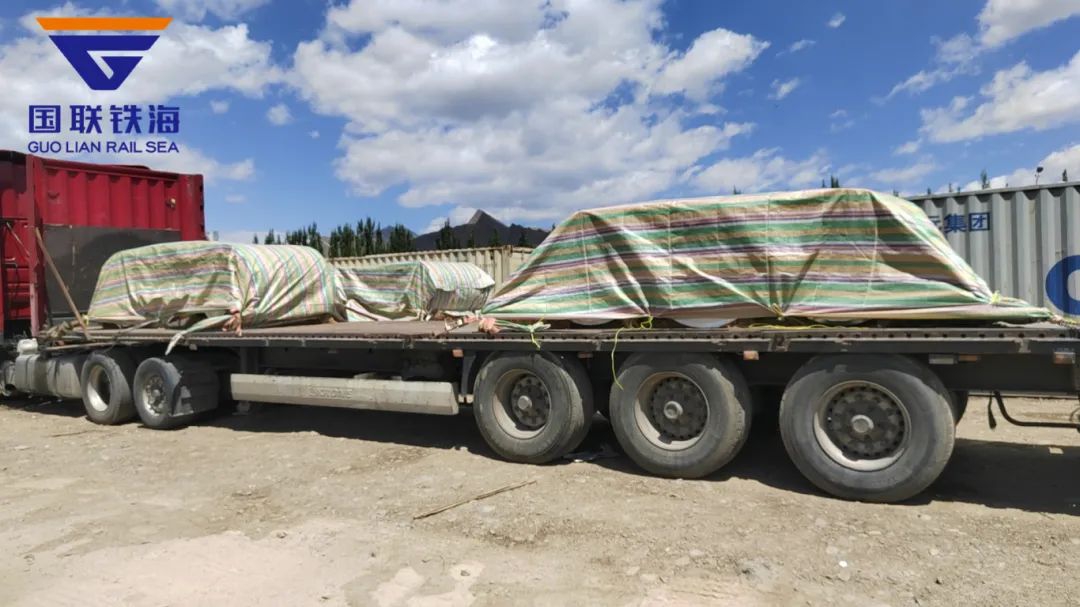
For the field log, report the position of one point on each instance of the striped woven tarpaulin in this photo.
(412, 289)
(176, 284)
(829, 254)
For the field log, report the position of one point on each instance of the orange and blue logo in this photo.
(80, 49)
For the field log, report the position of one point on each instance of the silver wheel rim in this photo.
(153, 395)
(671, 411)
(862, 426)
(522, 404)
(98, 389)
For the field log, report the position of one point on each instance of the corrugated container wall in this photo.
(499, 262)
(85, 212)
(1024, 241)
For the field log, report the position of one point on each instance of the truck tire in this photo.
(172, 392)
(680, 415)
(960, 403)
(533, 408)
(876, 428)
(106, 387)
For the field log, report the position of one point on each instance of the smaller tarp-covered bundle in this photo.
(839, 254)
(200, 284)
(413, 290)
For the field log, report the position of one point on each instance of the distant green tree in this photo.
(834, 182)
(378, 239)
(1065, 174)
(400, 239)
(270, 237)
(254, 239)
(896, 192)
(735, 191)
(929, 191)
(950, 187)
(823, 184)
(445, 239)
(494, 242)
(984, 180)
(367, 242)
(521, 242)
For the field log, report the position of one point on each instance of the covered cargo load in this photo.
(833, 254)
(195, 285)
(418, 290)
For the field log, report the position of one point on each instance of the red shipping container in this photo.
(86, 212)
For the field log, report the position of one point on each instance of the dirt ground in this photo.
(304, 506)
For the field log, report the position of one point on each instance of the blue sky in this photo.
(417, 110)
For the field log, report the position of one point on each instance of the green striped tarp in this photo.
(412, 289)
(829, 254)
(178, 284)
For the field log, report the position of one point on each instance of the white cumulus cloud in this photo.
(908, 147)
(527, 110)
(196, 10)
(837, 20)
(712, 56)
(1015, 99)
(765, 169)
(219, 106)
(279, 115)
(1004, 20)
(999, 21)
(783, 88)
(954, 57)
(800, 45)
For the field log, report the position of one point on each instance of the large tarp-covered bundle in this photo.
(824, 254)
(211, 283)
(413, 290)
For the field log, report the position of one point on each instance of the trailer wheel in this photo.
(681, 415)
(960, 403)
(533, 408)
(875, 428)
(171, 392)
(106, 387)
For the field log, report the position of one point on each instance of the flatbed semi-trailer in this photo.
(865, 412)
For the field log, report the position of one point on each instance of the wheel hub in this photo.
(672, 410)
(154, 395)
(531, 402)
(677, 409)
(861, 424)
(865, 423)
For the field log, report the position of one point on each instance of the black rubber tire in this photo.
(570, 414)
(190, 387)
(931, 426)
(959, 404)
(106, 380)
(727, 425)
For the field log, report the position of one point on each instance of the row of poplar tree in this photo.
(365, 238)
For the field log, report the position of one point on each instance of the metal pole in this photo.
(60, 282)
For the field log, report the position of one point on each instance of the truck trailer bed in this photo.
(1040, 338)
